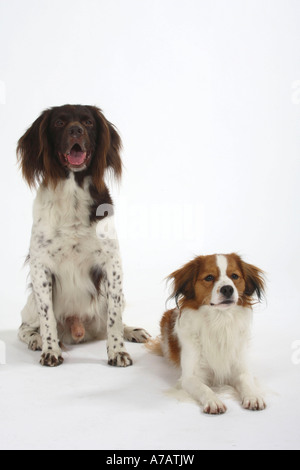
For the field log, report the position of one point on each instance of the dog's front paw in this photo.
(119, 359)
(51, 359)
(214, 407)
(254, 403)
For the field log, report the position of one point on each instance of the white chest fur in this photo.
(63, 212)
(213, 341)
(65, 241)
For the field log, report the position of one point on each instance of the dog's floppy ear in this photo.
(32, 149)
(184, 280)
(107, 151)
(113, 157)
(254, 279)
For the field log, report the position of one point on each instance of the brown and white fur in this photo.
(207, 335)
(75, 270)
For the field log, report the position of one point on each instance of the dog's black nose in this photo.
(76, 131)
(227, 291)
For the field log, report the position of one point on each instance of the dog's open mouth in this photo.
(76, 157)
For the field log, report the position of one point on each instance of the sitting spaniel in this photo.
(75, 270)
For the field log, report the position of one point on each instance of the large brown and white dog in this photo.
(207, 335)
(76, 274)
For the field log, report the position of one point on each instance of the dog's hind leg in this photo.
(135, 335)
(29, 331)
(31, 337)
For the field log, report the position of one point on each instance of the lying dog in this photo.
(207, 335)
(77, 292)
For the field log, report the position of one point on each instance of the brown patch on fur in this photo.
(189, 287)
(203, 289)
(107, 150)
(99, 199)
(184, 280)
(251, 280)
(255, 283)
(234, 267)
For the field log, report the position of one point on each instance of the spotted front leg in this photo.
(117, 354)
(42, 287)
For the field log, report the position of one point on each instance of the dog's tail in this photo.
(154, 346)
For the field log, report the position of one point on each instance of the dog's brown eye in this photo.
(59, 123)
(89, 123)
(209, 278)
(234, 277)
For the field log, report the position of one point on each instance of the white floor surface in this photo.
(86, 404)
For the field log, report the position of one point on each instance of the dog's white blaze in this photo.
(223, 280)
(222, 264)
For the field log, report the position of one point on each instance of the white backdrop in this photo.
(206, 96)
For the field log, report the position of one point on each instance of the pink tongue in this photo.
(76, 158)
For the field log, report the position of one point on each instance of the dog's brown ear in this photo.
(108, 148)
(184, 280)
(113, 157)
(32, 149)
(254, 279)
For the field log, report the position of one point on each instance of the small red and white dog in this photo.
(207, 335)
